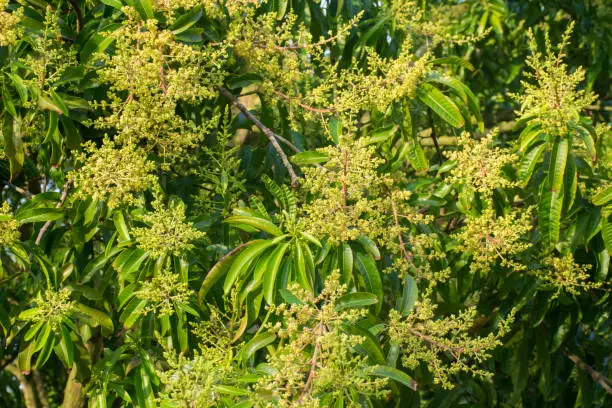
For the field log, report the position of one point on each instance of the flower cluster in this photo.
(351, 197)
(168, 233)
(330, 364)
(491, 239)
(162, 293)
(51, 308)
(9, 228)
(566, 275)
(111, 174)
(479, 166)
(149, 74)
(424, 338)
(8, 25)
(553, 99)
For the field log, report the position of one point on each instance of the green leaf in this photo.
(95, 318)
(603, 197)
(410, 295)
(356, 299)
(9, 106)
(66, 345)
(244, 80)
(396, 375)
(551, 203)
(441, 104)
(22, 90)
(370, 275)
(309, 157)
(63, 109)
(289, 297)
(46, 352)
(256, 343)
(303, 276)
(589, 141)
(113, 3)
(529, 162)
(557, 164)
(269, 279)
(243, 261)
(145, 9)
(219, 269)
(13, 143)
(39, 214)
(186, 20)
(369, 246)
(260, 224)
(453, 60)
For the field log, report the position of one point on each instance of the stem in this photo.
(79, 15)
(272, 137)
(73, 393)
(598, 377)
(47, 224)
(29, 394)
(40, 389)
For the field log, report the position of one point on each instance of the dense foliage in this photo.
(244, 203)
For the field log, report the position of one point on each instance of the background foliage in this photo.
(305, 203)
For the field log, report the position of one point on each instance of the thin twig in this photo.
(301, 104)
(598, 377)
(273, 137)
(18, 189)
(47, 224)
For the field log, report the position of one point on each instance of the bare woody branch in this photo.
(273, 137)
(598, 377)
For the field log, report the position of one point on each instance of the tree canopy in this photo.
(302, 203)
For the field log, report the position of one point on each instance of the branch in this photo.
(29, 395)
(273, 137)
(47, 224)
(598, 377)
(79, 15)
(18, 189)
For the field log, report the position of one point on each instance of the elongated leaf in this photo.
(243, 261)
(441, 104)
(309, 157)
(396, 375)
(260, 224)
(303, 276)
(603, 197)
(356, 299)
(589, 141)
(558, 160)
(13, 143)
(95, 317)
(256, 343)
(551, 203)
(219, 269)
(529, 162)
(269, 280)
(369, 246)
(410, 295)
(370, 275)
(186, 20)
(39, 214)
(66, 345)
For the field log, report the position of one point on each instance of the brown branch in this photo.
(79, 15)
(29, 394)
(598, 377)
(18, 189)
(40, 389)
(399, 236)
(313, 364)
(47, 224)
(272, 137)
